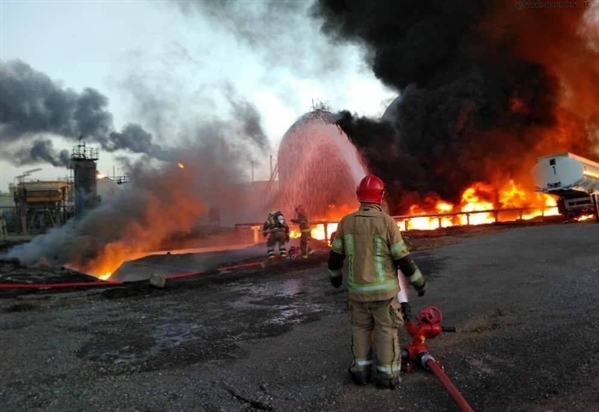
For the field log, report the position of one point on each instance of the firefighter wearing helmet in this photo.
(304, 224)
(371, 243)
(277, 231)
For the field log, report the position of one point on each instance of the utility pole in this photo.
(271, 166)
(252, 171)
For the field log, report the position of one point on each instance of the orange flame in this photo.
(481, 197)
(105, 276)
(166, 193)
(475, 201)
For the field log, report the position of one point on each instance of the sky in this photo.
(166, 64)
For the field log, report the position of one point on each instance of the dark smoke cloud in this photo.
(42, 151)
(33, 104)
(35, 152)
(135, 139)
(248, 116)
(482, 84)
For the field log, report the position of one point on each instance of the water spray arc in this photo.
(317, 166)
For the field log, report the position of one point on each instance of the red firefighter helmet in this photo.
(371, 189)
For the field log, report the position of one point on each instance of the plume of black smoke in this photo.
(137, 140)
(33, 104)
(477, 98)
(160, 203)
(248, 116)
(40, 151)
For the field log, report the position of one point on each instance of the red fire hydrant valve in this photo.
(416, 352)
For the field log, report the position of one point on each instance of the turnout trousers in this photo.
(375, 325)
(304, 243)
(274, 238)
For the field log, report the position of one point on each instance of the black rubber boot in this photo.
(360, 376)
(387, 382)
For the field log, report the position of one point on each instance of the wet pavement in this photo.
(277, 338)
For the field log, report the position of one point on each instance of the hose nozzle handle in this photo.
(448, 328)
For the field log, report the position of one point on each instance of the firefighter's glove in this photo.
(406, 310)
(336, 281)
(421, 289)
(286, 238)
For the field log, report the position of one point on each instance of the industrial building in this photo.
(84, 165)
(39, 205)
(33, 206)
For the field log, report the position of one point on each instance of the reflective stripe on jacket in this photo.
(371, 243)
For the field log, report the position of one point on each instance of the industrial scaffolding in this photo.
(84, 166)
(40, 205)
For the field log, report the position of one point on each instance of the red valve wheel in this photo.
(431, 315)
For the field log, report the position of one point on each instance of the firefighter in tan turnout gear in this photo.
(371, 244)
(304, 224)
(277, 231)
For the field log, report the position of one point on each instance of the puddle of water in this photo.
(171, 335)
(141, 345)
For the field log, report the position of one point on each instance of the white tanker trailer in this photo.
(574, 179)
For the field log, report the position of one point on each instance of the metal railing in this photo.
(520, 211)
(441, 218)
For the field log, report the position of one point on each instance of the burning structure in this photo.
(482, 94)
(485, 89)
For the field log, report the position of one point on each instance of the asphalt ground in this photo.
(524, 301)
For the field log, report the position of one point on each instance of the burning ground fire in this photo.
(505, 205)
(105, 276)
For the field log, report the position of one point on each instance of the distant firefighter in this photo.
(3, 229)
(304, 224)
(277, 231)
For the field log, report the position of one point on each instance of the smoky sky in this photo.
(34, 107)
(480, 97)
(158, 203)
(279, 31)
(33, 104)
(249, 116)
(41, 151)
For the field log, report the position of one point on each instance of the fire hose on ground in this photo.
(428, 326)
